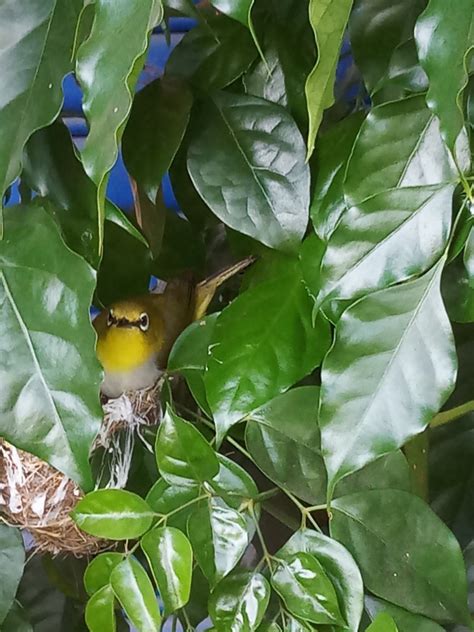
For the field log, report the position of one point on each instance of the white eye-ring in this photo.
(110, 318)
(144, 321)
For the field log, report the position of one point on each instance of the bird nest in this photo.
(38, 499)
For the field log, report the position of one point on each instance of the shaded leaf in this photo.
(12, 559)
(406, 621)
(383, 623)
(16, 620)
(390, 471)
(97, 573)
(100, 615)
(232, 483)
(458, 284)
(164, 499)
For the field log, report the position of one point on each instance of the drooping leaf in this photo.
(283, 439)
(37, 38)
(99, 614)
(12, 559)
(405, 621)
(302, 583)
(158, 121)
(257, 142)
(362, 419)
(383, 623)
(329, 20)
(273, 345)
(444, 37)
(16, 620)
(49, 372)
(239, 601)
(406, 554)
(134, 590)
(97, 573)
(183, 455)
(113, 513)
(170, 556)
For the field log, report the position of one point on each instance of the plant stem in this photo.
(266, 555)
(450, 415)
(305, 511)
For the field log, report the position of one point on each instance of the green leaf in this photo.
(16, 620)
(332, 153)
(390, 471)
(170, 556)
(219, 538)
(361, 420)
(399, 145)
(269, 627)
(232, 483)
(97, 573)
(37, 38)
(405, 553)
(391, 237)
(406, 621)
(107, 68)
(134, 590)
(164, 499)
(329, 20)
(458, 284)
(259, 143)
(305, 588)
(283, 440)
(183, 455)
(444, 36)
(49, 372)
(236, 9)
(340, 568)
(12, 559)
(113, 513)
(238, 603)
(383, 623)
(100, 615)
(212, 55)
(155, 129)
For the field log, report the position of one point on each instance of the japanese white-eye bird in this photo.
(135, 336)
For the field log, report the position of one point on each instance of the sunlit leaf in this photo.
(97, 573)
(99, 614)
(383, 623)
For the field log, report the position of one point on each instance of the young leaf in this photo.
(305, 588)
(42, 33)
(97, 573)
(239, 601)
(444, 36)
(400, 340)
(383, 623)
(183, 455)
(113, 513)
(405, 621)
(12, 559)
(49, 372)
(406, 554)
(134, 590)
(259, 143)
(329, 20)
(283, 439)
(170, 556)
(273, 345)
(100, 614)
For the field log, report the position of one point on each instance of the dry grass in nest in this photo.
(38, 498)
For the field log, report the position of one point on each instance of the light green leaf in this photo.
(170, 556)
(12, 559)
(100, 614)
(134, 590)
(445, 35)
(97, 573)
(406, 621)
(400, 340)
(259, 143)
(406, 554)
(383, 623)
(37, 37)
(329, 20)
(49, 372)
(113, 513)
(237, 9)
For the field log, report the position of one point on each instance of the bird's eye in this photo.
(144, 321)
(110, 318)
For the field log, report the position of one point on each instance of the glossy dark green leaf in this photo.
(283, 440)
(158, 121)
(97, 573)
(259, 143)
(399, 145)
(49, 372)
(383, 623)
(390, 471)
(183, 455)
(405, 553)
(328, 20)
(170, 556)
(212, 55)
(16, 620)
(113, 513)
(362, 419)
(458, 284)
(391, 237)
(36, 37)
(302, 583)
(237, 9)
(232, 483)
(219, 538)
(238, 603)
(165, 499)
(340, 568)
(444, 36)
(406, 621)
(12, 559)
(134, 590)
(332, 153)
(196, 609)
(99, 614)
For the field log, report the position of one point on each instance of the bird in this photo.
(135, 335)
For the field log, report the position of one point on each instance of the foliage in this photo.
(309, 478)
